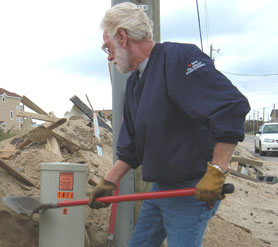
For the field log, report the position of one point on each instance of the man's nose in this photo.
(110, 57)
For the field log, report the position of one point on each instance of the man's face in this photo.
(116, 53)
(121, 58)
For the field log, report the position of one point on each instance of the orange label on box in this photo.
(66, 181)
(65, 195)
(65, 211)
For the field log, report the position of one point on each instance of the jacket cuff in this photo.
(131, 163)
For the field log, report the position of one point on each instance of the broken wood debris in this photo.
(82, 107)
(87, 111)
(6, 154)
(30, 104)
(246, 161)
(13, 172)
(16, 141)
(240, 167)
(53, 146)
(50, 127)
(36, 116)
(40, 135)
(39, 115)
(239, 174)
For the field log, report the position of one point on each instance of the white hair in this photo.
(129, 17)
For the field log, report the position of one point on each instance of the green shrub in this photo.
(6, 135)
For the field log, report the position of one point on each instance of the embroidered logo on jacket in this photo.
(193, 66)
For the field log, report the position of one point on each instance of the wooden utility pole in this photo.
(254, 122)
(274, 116)
(211, 52)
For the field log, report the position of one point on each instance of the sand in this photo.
(246, 218)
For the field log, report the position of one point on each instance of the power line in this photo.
(200, 32)
(207, 22)
(247, 74)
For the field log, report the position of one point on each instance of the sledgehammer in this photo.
(28, 206)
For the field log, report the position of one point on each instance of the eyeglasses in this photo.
(106, 49)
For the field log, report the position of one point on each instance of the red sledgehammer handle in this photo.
(148, 195)
(227, 188)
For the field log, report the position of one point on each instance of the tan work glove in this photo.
(210, 186)
(104, 188)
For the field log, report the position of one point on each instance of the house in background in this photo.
(274, 115)
(9, 104)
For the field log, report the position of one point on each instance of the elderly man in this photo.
(182, 121)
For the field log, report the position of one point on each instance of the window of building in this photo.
(3, 98)
(11, 115)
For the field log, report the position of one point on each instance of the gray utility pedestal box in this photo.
(62, 227)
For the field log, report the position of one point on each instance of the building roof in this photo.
(274, 112)
(10, 94)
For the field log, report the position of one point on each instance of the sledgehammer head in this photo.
(22, 204)
(227, 189)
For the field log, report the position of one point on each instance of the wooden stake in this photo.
(13, 172)
(96, 127)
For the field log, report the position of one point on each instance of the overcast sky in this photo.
(50, 50)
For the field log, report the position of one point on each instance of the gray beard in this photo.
(121, 59)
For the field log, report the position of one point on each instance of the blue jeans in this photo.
(183, 220)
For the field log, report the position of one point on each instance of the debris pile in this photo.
(247, 218)
(79, 147)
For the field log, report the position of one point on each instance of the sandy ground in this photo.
(254, 205)
(247, 218)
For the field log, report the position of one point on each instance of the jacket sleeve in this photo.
(204, 94)
(126, 145)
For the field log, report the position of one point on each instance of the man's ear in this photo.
(122, 37)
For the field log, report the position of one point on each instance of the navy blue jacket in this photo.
(176, 112)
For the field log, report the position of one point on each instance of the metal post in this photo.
(125, 215)
(124, 218)
(125, 212)
(152, 9)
